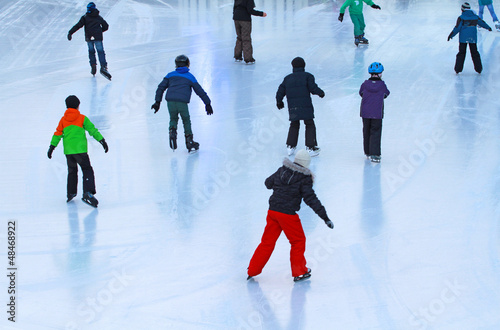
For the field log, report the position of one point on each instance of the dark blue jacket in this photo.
(94, 25)
(298, 87)
(467, 27)
(373, 92)
(180, 83)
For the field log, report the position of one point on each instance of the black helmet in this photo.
(181, 60)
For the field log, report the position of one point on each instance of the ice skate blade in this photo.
(89, 203)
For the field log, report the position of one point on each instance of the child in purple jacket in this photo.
(373, 92)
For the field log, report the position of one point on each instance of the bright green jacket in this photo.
(355, 6)
(71, 129)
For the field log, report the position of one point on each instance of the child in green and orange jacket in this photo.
(71, 129)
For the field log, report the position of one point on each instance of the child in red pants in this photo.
(290, 183)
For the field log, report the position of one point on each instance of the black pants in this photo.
(372, 134)
(88, 173)
(476, 58)
(293, 133)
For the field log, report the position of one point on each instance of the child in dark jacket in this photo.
(180, 83)
(373, 92)
(290, 184)
(467, 27)
(298, 87)
(71, 129)
(94, 25)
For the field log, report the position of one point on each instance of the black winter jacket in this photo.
(298, 87)
(244, 9)
(291, 183)
(94, 24)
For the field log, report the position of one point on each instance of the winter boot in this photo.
(191, 145)
(363, 40)
(173, 138)
(313, 151)
(90, 199)
(105, 73)
(303, 277)
(290, 150)
(93, 69)
(70, 197)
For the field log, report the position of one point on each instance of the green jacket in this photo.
(355, 6)
(71, 129)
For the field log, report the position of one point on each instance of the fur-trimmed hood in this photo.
(289, 177)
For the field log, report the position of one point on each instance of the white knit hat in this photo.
(302, 158)
(466, 6)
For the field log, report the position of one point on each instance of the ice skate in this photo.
(238, 59)
(363, 40)
(70, 197)
(173, 138)
(105, 73)
(497, 26)
(303, 277)
(93, 69)
(90, 199)
(191, 145)
(356, 41)
(290, 150)
(375, 159)
(313, 151)
(250, 61)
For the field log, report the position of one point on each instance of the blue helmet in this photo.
(376, 67)
(90, 7)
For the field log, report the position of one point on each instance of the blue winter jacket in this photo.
(467, 27)
(180, 83)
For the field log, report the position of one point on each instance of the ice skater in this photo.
(357, 18)
(71, 129)
(467, 28)
(488, 4)
(243, 10)
(291, 183)
(94, 26)
(373, 92)
(298, 87)
(180, 83)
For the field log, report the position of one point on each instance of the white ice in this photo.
(416, 238)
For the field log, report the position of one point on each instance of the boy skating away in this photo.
(298, 87)
(180, 83)
(94, 25)
(373, 92)
(71, 129)
(243, 10)
(291, 183)
(357, 18)
(489, 5)
(467, 27)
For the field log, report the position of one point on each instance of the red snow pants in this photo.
(276, 223)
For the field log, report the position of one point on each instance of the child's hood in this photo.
(291, 172)
(374, 85)
(182, 69)
(71, 114)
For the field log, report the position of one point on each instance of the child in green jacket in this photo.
(71, 129)
(356, 13)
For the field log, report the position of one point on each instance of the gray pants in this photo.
(243, 41)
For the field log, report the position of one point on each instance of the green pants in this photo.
(179, 108)
(359, 24)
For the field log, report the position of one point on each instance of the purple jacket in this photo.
(373, 92)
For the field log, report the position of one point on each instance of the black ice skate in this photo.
(303, 277)
(105, 73)
(375, 159)
(93, 69)
(173, 138)
(191, 145)
(70, 197)
(363, 40)
(90, 199)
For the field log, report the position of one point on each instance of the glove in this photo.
(490, 30)
(209, 110)
(376, 7)
(69, 36)
(322, 95)
(341, 17)
(329, 223)
(104, 145)
(156, 106)
(49, 153)
(449, 37)
(280, 104)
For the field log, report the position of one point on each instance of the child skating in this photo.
(373, 92)
(357, 18)
(298, 87)
(94, 26)
(291, 183)
(71, 129)
(179, 84)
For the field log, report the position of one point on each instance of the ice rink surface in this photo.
(416, 238)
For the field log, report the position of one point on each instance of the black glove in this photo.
(322, 95)
(69, 36)
(49, 153)
(209, 110)
(490, 30)
(104, 145)
(376, 7)
(280, 104)
(156, 106)
(341, 17)
(329, 223)
(449, 37)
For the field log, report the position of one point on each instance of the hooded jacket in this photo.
(373, 92)
(355, 6)
(71, 129)
(244, 9)
(290, 184)
(180, 83)
(298, 87)
(94, 24)
(467, 27)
